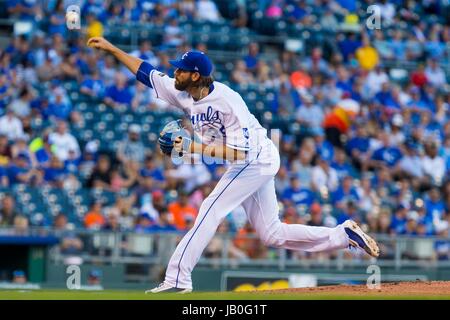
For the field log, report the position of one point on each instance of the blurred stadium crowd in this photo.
(77, 132)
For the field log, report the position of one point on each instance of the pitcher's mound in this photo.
(414, 288)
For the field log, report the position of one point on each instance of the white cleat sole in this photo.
(369, 245)
(168, 290)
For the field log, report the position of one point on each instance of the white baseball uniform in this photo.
(223, 116)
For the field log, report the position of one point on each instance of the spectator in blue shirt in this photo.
(357, 89)
(72, 162)
(416, 104)
(297, 11)
(22, 172)
(424, 220)
(398, 45)
(386, 155)
(145, 53)
(435, 48)
(131, 11)
(95, 7)
(429, 96)
(324, 148)
(349, 5)
(93, 86)
(24, 9)
(119, 93)
(298, 195)
(343, 81)
(410, 228)
(58, 20)
(345, 193)
(349, 212)
(348, 44)
(398, 221)
(59, 107)
(143, 223)
(341, 165)
(383, 180)
(358, 147)
(12, 7)
(150, 170)
(115, 13)
(393, 102)
(430, 128)
(164, 224)
(252, 58)
(81, 62)
(54, 174)
(384, 96)
(44, 154)
(40, 107)
(435, 207)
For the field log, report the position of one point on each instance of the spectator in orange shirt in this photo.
(94, 218)
(248, 243)
(182, 211)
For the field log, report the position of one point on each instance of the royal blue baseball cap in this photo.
(194, 61)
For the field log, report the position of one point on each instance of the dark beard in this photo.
(182, 86)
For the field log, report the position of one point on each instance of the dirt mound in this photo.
(423, 288)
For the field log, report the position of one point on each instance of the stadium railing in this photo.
(113, 248)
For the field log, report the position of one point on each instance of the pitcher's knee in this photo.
(206, 204)
(212, 202)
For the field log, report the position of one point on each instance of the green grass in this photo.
(139, 295)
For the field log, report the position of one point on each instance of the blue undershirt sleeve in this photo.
(143, 73)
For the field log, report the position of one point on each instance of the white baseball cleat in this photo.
(163, 287)
(359, 239)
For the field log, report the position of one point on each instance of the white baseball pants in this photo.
(252, 186)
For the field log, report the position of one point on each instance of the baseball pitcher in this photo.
(227, 130)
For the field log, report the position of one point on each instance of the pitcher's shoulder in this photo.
(222, 87)
(231, 96)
